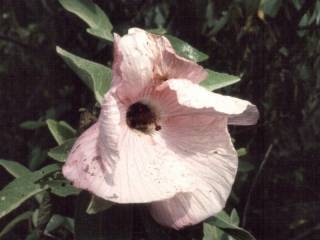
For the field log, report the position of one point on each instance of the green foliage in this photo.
(227, 224)
(92, 14)
(32, 125)
(61, 131)
(14, 168)
(60, 152)
(62, 188)
(57, 221)
(14, 222)
(97, 204)
(24, 187)
(96, 76)
(216, 80)
(186, 50)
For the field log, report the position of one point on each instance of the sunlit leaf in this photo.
(96, 76)
(14, 222)
(98, 22)
(97, 204)
(216, 80)
(14, 168)
(186, 50)
(60, 130)
(60, 152)
(22, 188)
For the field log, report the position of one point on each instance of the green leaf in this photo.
(60, 152)
(57, 220)
(271, 7)
(14, 168)
(241, 152)
(216, 80)
(97, 204)
(224, 222)
(245, 166)
(22, 188)
(32, 125)
(103, 225)
(98, 22)
(36, 157)
(20, 218)
(96, 76)
(62, 188)
(61, 131)
(234, 217)
(186, 50)
(211, 232)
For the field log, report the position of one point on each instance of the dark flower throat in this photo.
(141, 117)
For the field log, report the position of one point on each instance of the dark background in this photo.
(276, 50)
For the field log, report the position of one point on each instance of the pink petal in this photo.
(170, 65)
(84, 167)
(143, 169)
(190, 95)
(203, 143)
(142, 59)
(134, 54)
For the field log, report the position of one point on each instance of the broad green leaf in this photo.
(20, 218)
(14, 168)
(61, 131)
(97, 204)
(186, 50)
(57, 220)
(62, 188)
(60, 152)
(241, 152)
(216, 80)
(224, 222)
(96, 76)
(31, 125)
(22, 188)
(103, 225)
(98, 22)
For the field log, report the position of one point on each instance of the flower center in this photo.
(141, 117)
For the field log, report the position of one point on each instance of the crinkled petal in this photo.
(190, 95)
(143, 169)
(170, 65)
(84, 167)
(201, 141)
(142, 59)
(134, 53)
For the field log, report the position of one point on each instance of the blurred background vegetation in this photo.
(273, 44)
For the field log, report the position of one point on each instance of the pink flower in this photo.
(160, 138)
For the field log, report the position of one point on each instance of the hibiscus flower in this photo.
(160, 138)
